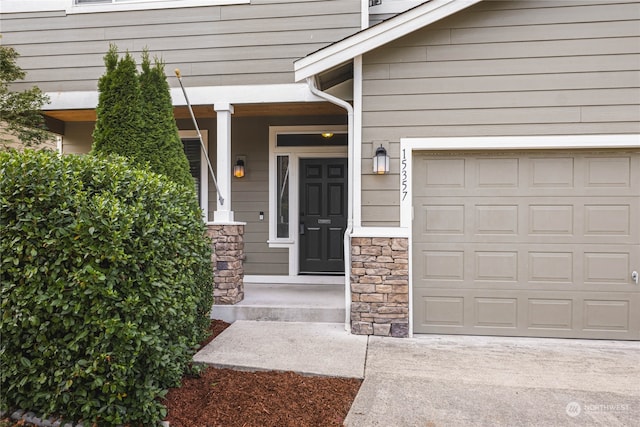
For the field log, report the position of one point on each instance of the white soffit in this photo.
(378, 35)
(251, 94)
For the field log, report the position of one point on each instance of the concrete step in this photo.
(286, 303)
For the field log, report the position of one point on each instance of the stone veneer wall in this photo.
(227, 258)
(380, 286)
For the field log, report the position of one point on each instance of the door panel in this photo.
(323, 215)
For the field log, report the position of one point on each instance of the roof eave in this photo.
(378, 35)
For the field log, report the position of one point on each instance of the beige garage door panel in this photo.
(566, 219)
(529, 174)
(527, 244)
(527, 313)
(525, 266)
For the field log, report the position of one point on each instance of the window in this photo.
(194, 156)
(197, 166)
(92, 6)
(282, 190)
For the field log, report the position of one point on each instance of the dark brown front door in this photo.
(323, 215)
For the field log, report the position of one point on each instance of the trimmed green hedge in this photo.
(106, 287)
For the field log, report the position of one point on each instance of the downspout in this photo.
(350, 205)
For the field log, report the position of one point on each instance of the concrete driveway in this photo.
(445, 380)
(488, 381)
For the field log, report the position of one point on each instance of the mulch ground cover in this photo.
(224, 397)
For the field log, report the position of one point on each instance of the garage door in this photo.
(527, 244)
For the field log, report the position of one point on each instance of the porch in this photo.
(287, 302)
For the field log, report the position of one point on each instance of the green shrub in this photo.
(119, 124)
(106, 287)
(135, 117)
(162, 148)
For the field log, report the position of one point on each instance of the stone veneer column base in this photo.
(227, 258)
(380, 286)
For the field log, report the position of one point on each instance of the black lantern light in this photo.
(381, 161)
(238, 169)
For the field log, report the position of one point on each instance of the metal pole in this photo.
(204, 151)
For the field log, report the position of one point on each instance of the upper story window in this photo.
(89, 6)
(92, 6)
(80, 2)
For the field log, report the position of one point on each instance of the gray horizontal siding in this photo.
(515, 66)
(253, 43)
(501, 68)
(543, 13)
(504, 83)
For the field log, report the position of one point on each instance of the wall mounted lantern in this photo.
(238, 169)
(381, 161)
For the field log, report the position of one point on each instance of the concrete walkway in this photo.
(324, 349)
(439, 380)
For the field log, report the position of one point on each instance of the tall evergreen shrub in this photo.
(162, 148)
(119, 126)
(135, 117)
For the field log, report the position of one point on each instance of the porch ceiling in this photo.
(206, 111)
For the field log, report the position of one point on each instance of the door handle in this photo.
(301, 229)
(634, 276)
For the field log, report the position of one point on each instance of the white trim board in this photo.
(198, 95)
(295, 280)
(378, 35)
(392, 232)
(560, 142)
(523, 142)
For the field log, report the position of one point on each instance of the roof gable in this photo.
(378, 35)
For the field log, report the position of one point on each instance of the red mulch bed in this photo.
(224, 397)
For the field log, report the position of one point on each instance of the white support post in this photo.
(223, 213)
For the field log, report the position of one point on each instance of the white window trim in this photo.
(204, 171)
(394, 6)
(126, 5)
(18, 6)
(59, 144)
(557, 142)
(295, 154)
